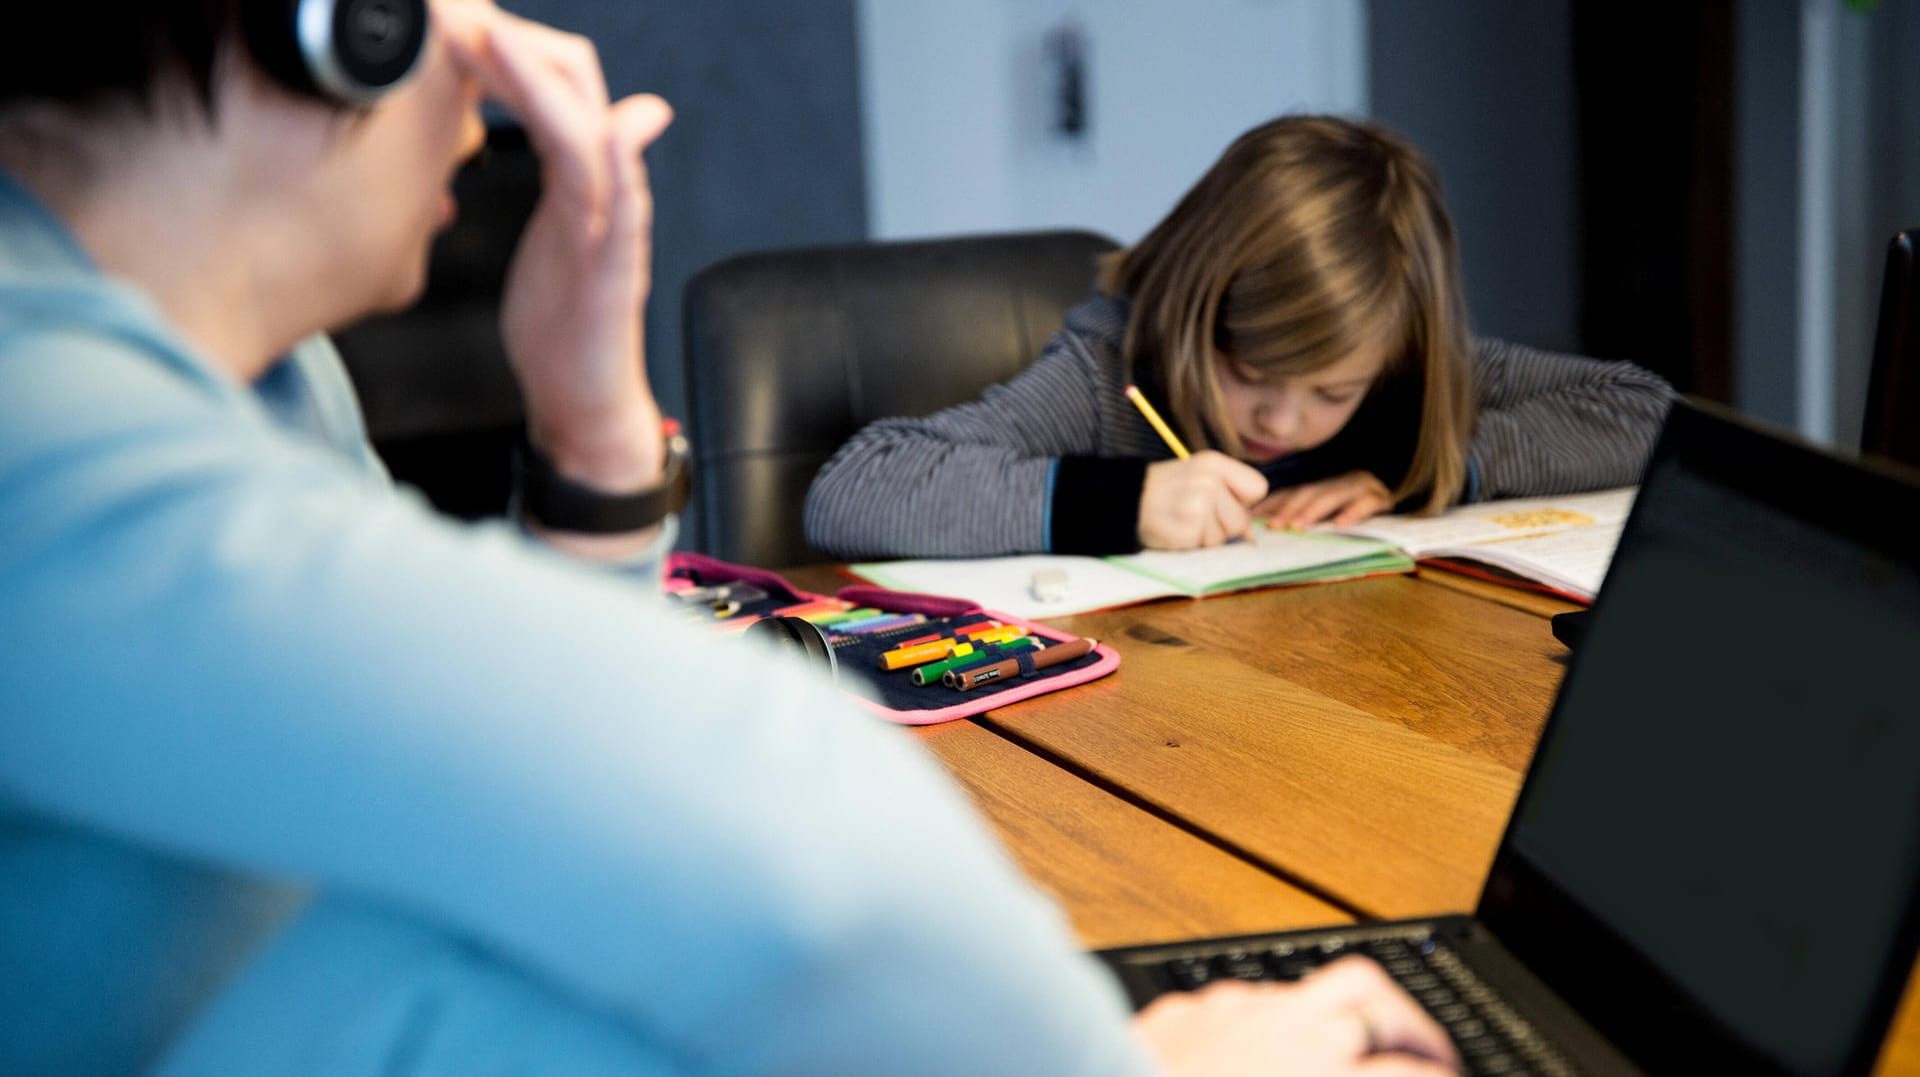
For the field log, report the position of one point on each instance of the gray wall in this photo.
(1766, 214)
(1485, 87)
(1875, 131)
(765, 146)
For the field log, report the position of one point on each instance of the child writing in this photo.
(1298, 319)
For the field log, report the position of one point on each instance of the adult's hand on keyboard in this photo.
(1348, 1017)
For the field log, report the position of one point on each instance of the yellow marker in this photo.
(1159, 425)
(1001, 634)
(925, 652)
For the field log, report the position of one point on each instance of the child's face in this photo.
(1277, 415)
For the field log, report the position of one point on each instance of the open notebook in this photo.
(1266, 559)
(1563, 544)
(1560, 543)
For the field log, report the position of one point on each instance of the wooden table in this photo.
(1280, 758)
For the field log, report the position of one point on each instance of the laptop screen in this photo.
(1722, 826)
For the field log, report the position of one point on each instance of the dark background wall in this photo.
(765, 147)
(1767, 242)
(1873, 191)
(765, 151)
(1485, 88)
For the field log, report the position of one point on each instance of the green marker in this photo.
(825, 619)
(993, 652)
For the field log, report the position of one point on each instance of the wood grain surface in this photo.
(1122, 875)
(1364, 740)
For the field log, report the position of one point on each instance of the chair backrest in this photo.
(1892, 425)
(789, 353)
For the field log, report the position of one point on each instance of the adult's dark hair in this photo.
(96, 52)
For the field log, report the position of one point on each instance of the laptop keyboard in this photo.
(1492, 1038)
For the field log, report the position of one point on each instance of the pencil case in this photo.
(718, 596)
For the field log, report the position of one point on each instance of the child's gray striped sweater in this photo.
(1053, 460)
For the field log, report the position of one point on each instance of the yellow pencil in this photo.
(1160, 425)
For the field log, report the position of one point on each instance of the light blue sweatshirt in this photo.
(510, 812)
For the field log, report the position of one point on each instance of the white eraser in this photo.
(1049, 585)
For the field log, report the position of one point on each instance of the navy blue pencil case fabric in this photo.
(892, 694)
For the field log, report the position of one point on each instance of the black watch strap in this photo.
(559, 503)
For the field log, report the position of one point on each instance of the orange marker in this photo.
(926, 652)
(811, 606)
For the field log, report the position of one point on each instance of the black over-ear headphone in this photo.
(344, 51)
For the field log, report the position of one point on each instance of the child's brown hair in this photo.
(1310, 239)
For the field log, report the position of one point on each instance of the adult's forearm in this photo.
(523, 752)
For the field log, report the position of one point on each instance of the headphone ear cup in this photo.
(268, 26)
(347, 52)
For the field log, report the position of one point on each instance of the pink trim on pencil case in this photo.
(932, 606)
(759, 577)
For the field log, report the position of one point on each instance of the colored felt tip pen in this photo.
(976, 629)
(901, 657)
(918, 640)
(935, 672)
(1001, 634)
(839, 618)
(819, 613)
(881, 623)
(926, 652)
(1154, 420)
(968, 680)
(744, 593)
(801, 609)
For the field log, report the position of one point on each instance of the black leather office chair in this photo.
(789, 353)
(1892, 424)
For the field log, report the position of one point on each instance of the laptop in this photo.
(1714, 862)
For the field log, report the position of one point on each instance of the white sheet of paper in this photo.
(1573, 560)
(1005, 583)
(1496, 520)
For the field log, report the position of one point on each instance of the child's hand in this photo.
(1344, 501)
(1200, 501)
